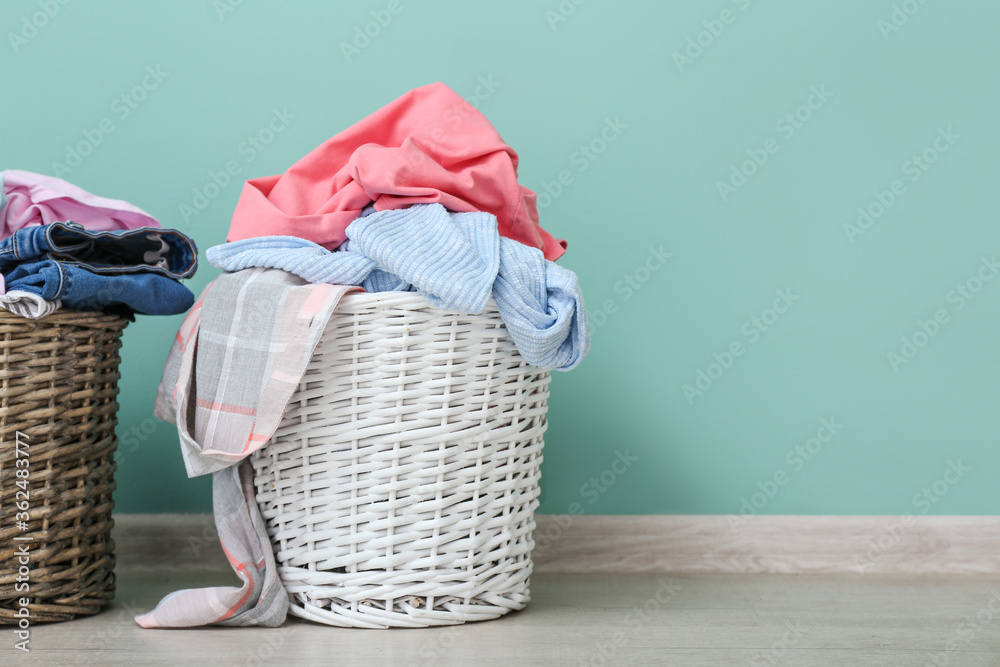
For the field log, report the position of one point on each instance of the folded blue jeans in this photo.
(80, 289)
(144, 250)
(87, 270)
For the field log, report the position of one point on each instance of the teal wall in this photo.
(886, 106)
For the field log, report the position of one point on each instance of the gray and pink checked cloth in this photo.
(236, 361)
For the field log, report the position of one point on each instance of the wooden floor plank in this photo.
(584, 619)
(725, 598)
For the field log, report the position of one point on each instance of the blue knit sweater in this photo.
(456, 260)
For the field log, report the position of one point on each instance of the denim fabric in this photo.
(145, 250)
(456, 260)
(81, 289)
(87, 270)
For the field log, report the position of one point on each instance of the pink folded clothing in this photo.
(428, 146)
(28, 199)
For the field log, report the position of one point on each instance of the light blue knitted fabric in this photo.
(455, 260)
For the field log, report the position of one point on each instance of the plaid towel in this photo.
(236, 361)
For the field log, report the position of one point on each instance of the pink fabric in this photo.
(428, 146)
(35, 199)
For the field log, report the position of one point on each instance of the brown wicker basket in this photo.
(58, 384)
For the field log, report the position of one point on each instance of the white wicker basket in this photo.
(401, 486)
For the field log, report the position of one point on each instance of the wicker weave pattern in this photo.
(400, 487)
(58, 383)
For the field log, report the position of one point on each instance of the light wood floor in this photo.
(808, 620)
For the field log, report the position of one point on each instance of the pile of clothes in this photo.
(61, 246)
(420, 196)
